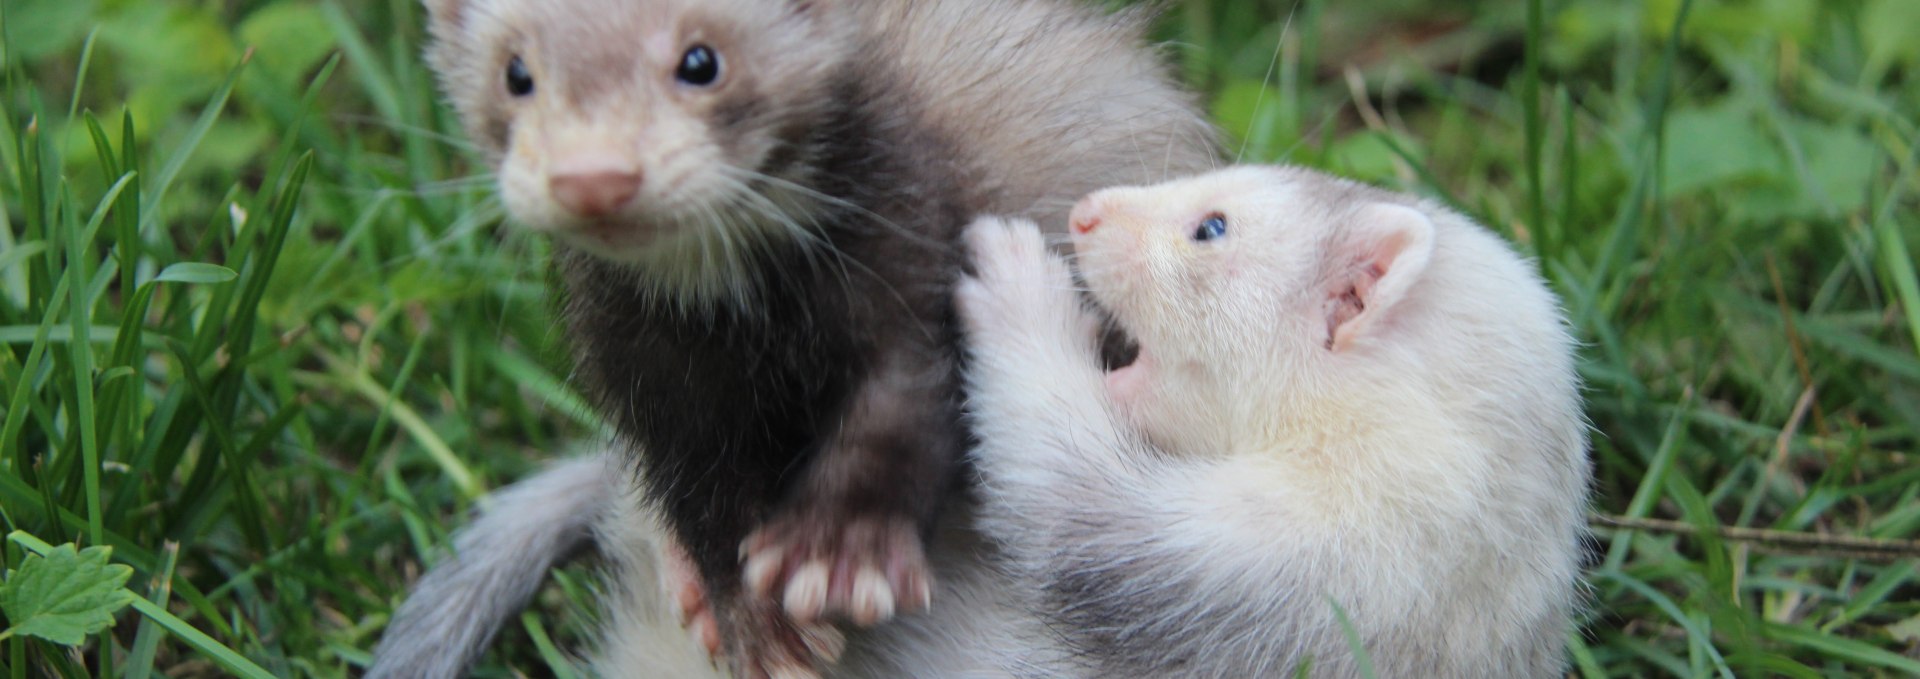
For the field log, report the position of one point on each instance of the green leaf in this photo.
(288, 37)
(1840, 161)
(1370, 156)
(1581, 29)
(66, 595)
(1258, 116)
(1716, 145)
(196, 272)
(1736, 22)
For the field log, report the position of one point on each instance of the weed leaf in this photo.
(66, 595)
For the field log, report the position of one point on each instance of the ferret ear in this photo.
(1384, 252)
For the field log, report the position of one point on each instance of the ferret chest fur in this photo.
(759, 380)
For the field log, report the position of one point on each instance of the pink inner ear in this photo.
(1348, 296)
(1352, 293)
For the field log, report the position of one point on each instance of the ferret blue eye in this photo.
(699, 67)
(519, 81)
(1215, 226)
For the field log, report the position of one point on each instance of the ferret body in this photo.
(1346, 400)
(755, 204)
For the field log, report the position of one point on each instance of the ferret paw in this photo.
(681, 580)
(768, 644)
(863, 570)
(1016, 281)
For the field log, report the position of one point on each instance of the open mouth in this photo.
(1118, 349)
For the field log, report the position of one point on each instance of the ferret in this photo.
(754, 205)
(1348, 405)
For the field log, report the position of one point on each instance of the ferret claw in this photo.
(863, 571)
(806, 593)
(872, 598)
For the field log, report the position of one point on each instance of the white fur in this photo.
(642, 636)
(1429, 477)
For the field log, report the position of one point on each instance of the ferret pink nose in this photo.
(595, 193)
(1085, 217)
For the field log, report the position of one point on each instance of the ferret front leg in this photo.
(847, 545)
(1036, 393)
(763, 642)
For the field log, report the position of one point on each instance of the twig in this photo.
(1777, 541)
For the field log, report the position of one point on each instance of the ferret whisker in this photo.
(810, 243)
(720, 250)
(806, 242)
(817, 248)
(474, 185)
(1260, 100)
(1326, 121)
(403, 129)
(837, 202)
(489, 212)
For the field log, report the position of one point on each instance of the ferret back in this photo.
(1048, 99)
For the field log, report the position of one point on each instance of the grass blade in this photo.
(191, 143)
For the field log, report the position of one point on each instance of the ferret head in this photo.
(667, 134)
(1262, 295)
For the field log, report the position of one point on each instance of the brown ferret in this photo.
(755, 205)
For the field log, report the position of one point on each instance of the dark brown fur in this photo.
(855, 351)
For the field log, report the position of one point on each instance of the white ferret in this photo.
(1343, 396)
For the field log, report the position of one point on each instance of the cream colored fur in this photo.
(1428, 475)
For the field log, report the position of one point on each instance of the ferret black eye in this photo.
(519, 81)
(1214, 226)
(699, 67)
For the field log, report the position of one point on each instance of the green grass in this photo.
(261, 330)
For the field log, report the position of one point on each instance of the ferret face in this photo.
(663, 133)
(1242, 285)
(1199, 268)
